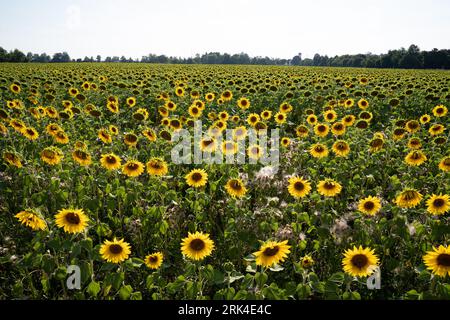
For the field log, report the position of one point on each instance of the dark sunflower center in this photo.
(436, 128)
(255, 150)
(299, 186)
(329, 185)
(253, 119)
(341, 146)
(197, 244)
(115, 249)
(30, 132)
(111, 160)
(319, 149)
(132, 166)
(409, 195)
(321, 128)
(439, 202)
(153, 259)
(131, 138)
(329, 116)
(270, 252)
(440, 110)
(416, 156)
(72, 218)
(197, 176)
(338, 127)
(444, 259)
(359, 260)
(369, 205)
(81, 155)
(244, 103)
(235, 185)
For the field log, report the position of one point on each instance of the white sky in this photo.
(258, 27)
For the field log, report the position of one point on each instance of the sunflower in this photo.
(80, 145)
(438, 204)
(223, 115)
(110, 161)
(414, 143)
(329, 188)
(208, 144)
(438, 261)
(444, 164)
(71, 220)
(112, 106)
(31, 219)
(239, 133)
(349, 120)
(82, 157)
(52, 128)
(51, 155)
(415, 158)
(370, 205)
(408, 198)
(157, 167)
(376, 144)
(15, 88)
(412, 126)
(253, 118)
(398, 134)
(61, 137)
(436, 129)
(306, 262)
(298, 187)
(243, 103)
(227, 95)
(221, 125)
(13, 159)
(163, 112)
(115, 251)
(321, 130)
(229, 147)
(210, 97)
(3, 129)
(131, 101)
(154, 260)
(133, 168)
(194, 111)
(360, 262)
(341, 148)
(104, 135)
(349, 103)
(285, 107)
(236, 188)
(130, 139)
(51, 112)
(197, 246)
(425, 119)
(285, 142)
(17, 124)
(179, 91)
(330, 116)
(30, 133)
(280, 118)
(363, 104)
(114, 130)
(266, 114)
(271, 253)
(318, 150)
(338, 128)
(440, 111)
(311, 119)
(302, 131)
(197, 178)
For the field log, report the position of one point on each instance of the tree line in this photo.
(411, 58)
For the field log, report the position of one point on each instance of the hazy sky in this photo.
(280, 28)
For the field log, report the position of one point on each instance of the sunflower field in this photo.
(87, 183)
